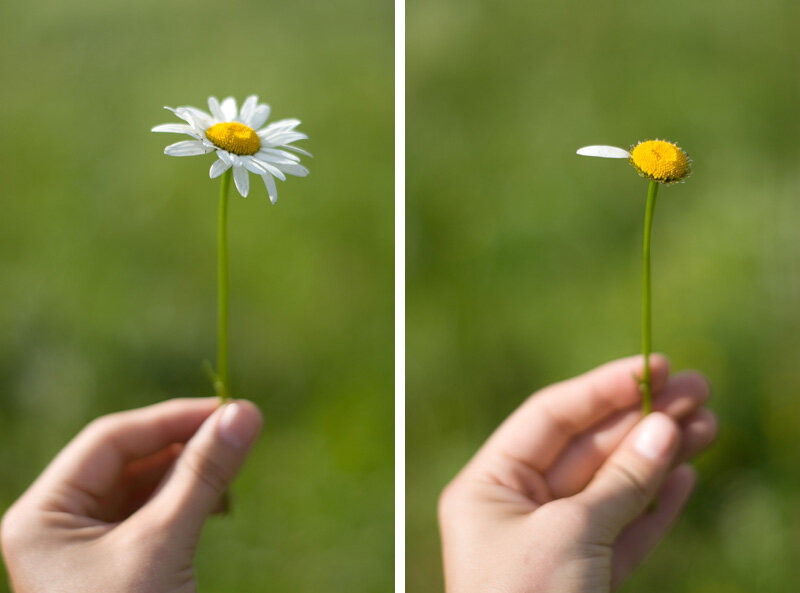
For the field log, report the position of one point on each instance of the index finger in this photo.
(540, 428)
(95, 459)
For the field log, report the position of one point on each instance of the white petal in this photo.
(173, 128)
(271, 153)
(259, 117)
(277, 161)
(606, 152)
(253, 165)
(216, 110)
(248, 107)
(297, 170)
(225, 157)
(275, 171)
(272, 159)
(282, 138)
(218, 167)
(181, 113)
(288, 123)
(271, 189)
(229, 108)
(242, 180)
(300, 150)
(283, 125)
(186, 148)
(198, 119)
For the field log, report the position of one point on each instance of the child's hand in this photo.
(557, 499)
(122, 506)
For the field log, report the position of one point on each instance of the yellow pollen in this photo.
(234, 137)
(660, 161)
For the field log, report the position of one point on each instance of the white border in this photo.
(399, 297)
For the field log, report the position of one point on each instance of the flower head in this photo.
(657, 160)
(240, 141)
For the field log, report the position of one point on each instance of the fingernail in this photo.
(655, 436)
(236, 427)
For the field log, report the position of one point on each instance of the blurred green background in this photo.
(524, 260)
(107, 262)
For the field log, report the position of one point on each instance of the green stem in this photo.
(222, 386)
(647, 316)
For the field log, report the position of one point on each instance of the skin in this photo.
(125, 501)
(559, 499)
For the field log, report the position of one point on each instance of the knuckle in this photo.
(127, 542)
(708, 425)
(206, 469)
(14, 529)
(699, 382)
(567, 515)
(102, 425)
(449, 500)
(632, 485)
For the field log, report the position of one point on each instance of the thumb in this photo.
(632, 475)
(208, 464)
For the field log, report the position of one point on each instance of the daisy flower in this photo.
(657, 160)
(243, 145)
(662, 163)
(240, 141)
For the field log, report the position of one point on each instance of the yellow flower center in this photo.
(234, 137)
(660, 161)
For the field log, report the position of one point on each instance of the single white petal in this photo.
(289, 137)
(199, 129)
(280, 154)
(186, 148)
(173, 128)
(276, 161)
(287, 124)
(300, 150)
(259, 117)
(216, 110)
(606, 152)
(253, 165)
(270, 133)
(225, 157)
(248, 107)
(297, 170)
(271, 158)
(202, 121)
(229, 108)
(218, 167)
(282, 138)
(181, 113)
(275, 171)
(198, 119)
(271, 189)
(242, 180)
(199, 115)
(283, 125)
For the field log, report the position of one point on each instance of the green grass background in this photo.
(524, 260)
(107, 262)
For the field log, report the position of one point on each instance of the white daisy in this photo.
(657, 160)
(240, 141)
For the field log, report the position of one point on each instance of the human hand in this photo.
(122, 506)
(557, 499)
